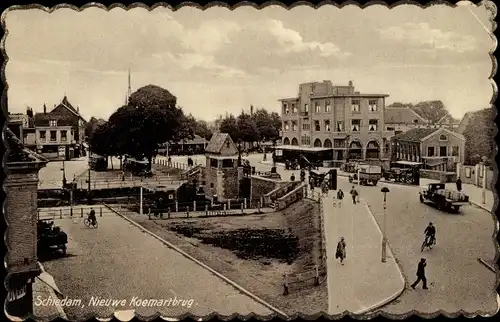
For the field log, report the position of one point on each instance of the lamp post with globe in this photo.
(384, 190)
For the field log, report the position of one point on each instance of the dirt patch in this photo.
(254, 251)
(161, 169)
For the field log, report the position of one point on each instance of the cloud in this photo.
(426, 38)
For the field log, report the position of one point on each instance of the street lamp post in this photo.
(384, 190)
(483, 171)
(64, 181)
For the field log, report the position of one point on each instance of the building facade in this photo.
(437, 148)
(337, 117)
(60, 132)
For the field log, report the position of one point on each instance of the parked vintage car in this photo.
(445, 199)
(50, 237)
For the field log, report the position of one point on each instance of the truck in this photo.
(443, 198)
(368, 174)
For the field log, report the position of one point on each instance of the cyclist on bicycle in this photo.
(430, 234)
(92, 217)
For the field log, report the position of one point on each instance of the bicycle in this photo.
(88, 223)
(428, 243)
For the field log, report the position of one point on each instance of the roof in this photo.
(401, 115)
(217, 142)
(350, 95)
(302, 148)
(18, 153)
(448, 117)
(65, 103)
(196, 140)
(415, 135)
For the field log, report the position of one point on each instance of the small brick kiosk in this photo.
(222, 174)
(21, 186)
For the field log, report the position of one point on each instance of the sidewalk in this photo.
(43, 292)
(363, 283)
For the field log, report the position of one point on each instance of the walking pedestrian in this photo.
(459, 184)
(311, 183)
(341, 253)
(354, 194)
(340, 196)
(421, 274)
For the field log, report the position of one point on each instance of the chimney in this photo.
(45, 109)
(251, 109)
(78, 109)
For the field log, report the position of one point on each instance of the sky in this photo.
(217, 61)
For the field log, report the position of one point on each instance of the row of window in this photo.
(327, 126)
(318, 108)
(53, 135)
(443, 151)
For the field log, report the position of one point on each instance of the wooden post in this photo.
(149, 213)
(225, 207)
(187, 211)
(100, 211)
(258, 206)
(245, 202)
(194, 205)
(60, 213)
(316, 278)
(242, 207)
(81, 209)
(285, 285)
(176, 206)
(228, 203)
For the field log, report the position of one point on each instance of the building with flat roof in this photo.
(338, 118)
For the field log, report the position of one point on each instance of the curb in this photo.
(491, 268)
(53, 294)
(227, 280)
(477, 204)
(401, 276)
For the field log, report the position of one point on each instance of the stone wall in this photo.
(473, 174)
(262, 186)
(230, 184)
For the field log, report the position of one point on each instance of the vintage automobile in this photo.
(368, 174)
(50, 237)
(403, 172)
(445, 199)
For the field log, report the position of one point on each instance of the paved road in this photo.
(121, 262)
(51, 176)
(457, 280)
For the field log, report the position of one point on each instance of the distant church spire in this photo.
(129, 90)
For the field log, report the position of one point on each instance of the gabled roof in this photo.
(18, 153)
(402, 115)
(217, 142)
(415, 135)
(442, 129)
(66, 104)
(448, 117)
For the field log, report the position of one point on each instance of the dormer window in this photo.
(443, 137)
(53, 123)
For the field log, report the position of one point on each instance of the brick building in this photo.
(338, 118)
(437, 148)
(21, 187)
(60, 132)
(222, 174)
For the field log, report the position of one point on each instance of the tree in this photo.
(92, 125)
(430, 110)
(479, 137)
(247, 129)
(229, 125)
(266, 125)
(150, 119)
(202, 129)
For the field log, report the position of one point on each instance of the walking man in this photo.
(340, 196)
(421, 274)
(354, 194)
(340, 253)
(459, 184)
